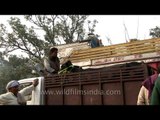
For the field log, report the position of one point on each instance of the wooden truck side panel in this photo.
(105, 86)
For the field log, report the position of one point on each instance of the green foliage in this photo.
(13, 69)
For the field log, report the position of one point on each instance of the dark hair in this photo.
(52, 50)
(90, 34)
(152, 70)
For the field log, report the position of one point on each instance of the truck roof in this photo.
(140, 50)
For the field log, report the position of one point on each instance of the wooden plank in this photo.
(150, 45)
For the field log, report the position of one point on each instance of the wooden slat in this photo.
(137, 47)
(109, 73)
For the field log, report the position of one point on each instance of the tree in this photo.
(155, 32)
(21, 38)
(92, 25)
(71, 27)
(56, 28)
(60, 27)
(14, 68)
(47, 24)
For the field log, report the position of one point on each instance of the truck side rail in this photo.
(96, 86)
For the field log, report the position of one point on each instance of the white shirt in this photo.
(143, 96)
(10, 99)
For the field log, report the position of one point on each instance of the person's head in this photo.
(13, 86)
(153, 69)
(90, 34)
(53, 53)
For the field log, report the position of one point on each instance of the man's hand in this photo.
(35, 82)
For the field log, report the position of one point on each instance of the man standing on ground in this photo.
(14, 96)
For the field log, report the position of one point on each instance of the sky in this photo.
(113, 27)
(117, 28)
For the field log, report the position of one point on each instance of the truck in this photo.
(112, 75)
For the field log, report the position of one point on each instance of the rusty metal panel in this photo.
(54, 96)
(131, 92)
(125, 80)
(91, 95)
(72, 95)
(113, 94)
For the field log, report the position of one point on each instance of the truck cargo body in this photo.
(108, 77)
(105, 86)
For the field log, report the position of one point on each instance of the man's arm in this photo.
(28, 90)
(47, 66)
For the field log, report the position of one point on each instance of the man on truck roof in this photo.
(52, 63)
